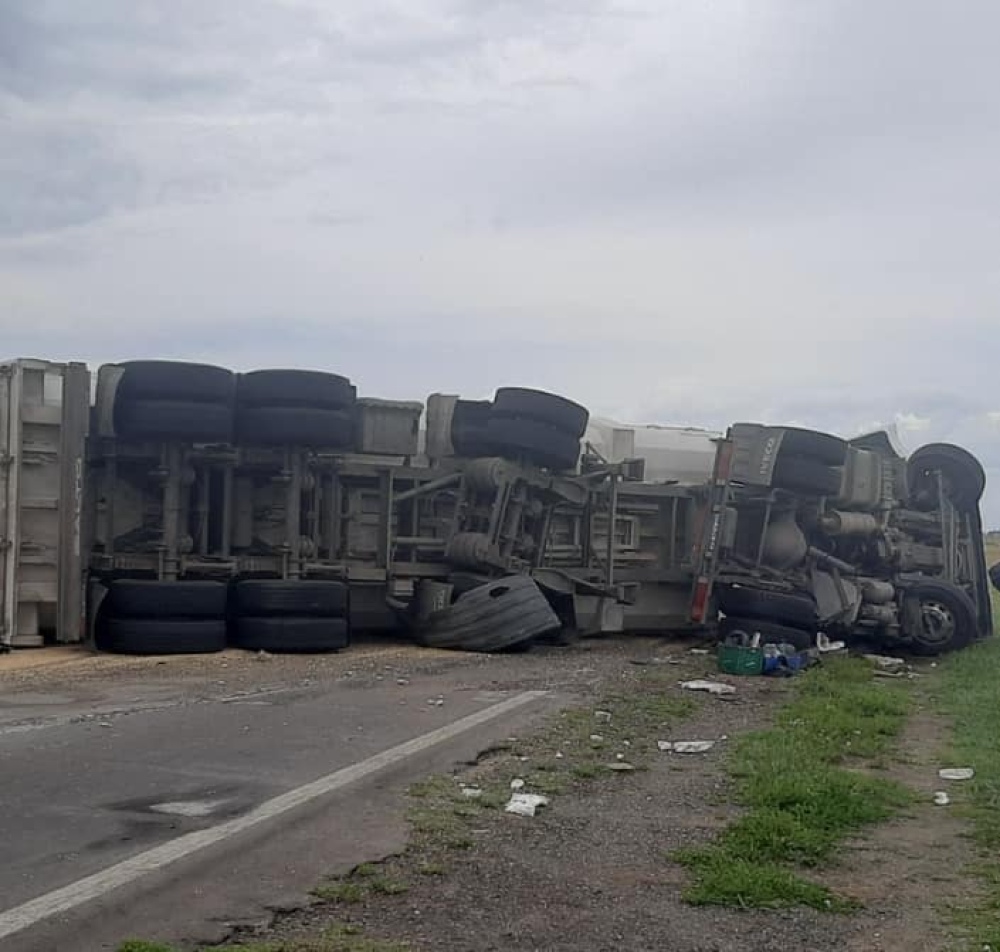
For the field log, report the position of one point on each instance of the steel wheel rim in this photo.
(937, 623)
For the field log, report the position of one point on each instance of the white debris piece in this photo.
(699, 651)
(686, 746)
(956, 773)
(472, 793)
(525, 804)
(189, 808)
(712, 687)
(885, 662)
(602, 717)
(825, 646)
(596, 739)
(941, 799)
(517, 784)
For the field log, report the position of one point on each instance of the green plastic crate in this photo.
(734, 659)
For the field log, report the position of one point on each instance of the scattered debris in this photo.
(435, 701)
(619, 756)
(941, 799)
(712, 687)
(621, 766)
(699, 651)
(885, 662)
(402, 681)
(525, 804)
(825, 646)
(517, 784)
(956, 773)
(686, 746)
(602, 717)
(473, 793)
(263, 655)
(596, 739)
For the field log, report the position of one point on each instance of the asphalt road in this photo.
(170, 803)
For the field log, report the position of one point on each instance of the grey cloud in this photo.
(53, 178)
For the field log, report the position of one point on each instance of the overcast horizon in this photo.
(681, 213)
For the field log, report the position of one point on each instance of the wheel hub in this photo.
(937, 623)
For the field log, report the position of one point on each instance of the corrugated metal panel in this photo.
(44, 413)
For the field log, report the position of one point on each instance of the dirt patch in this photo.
(909, 870)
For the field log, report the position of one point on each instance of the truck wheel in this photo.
(943, 618)
(797, 611)
(291, 634)
(962, 474)
(295, 388)
(744, 629)
(295, 426)
(175, 380)
(806, 476)
(311, 598)
(147, 419)
(145, 598)
(161, 636)
(539, 443)
(493, 617)
(468, 428)
(542, 407)
(811, 444)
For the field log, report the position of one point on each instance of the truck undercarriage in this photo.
(276, 509)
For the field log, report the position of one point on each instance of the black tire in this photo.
(811, 444)
(295, 426)
(947, 618)
(995, 576)
(468, 428)
(308, 598)
(462, 582)
(295, 388)
(291, 634)
(962, 473)
(175, 380)
(174, 420)
(493, 617)
(161, 636)
(542, 407)
(796, 611)
(536, 442)
(142, 598)
(770, 632)
(806, 476)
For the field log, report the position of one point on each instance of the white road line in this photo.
(91, 887)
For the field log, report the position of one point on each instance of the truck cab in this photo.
(806, 533)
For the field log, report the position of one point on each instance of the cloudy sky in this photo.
(674, 211)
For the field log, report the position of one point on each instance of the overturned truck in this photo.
(809, 533)
(279, 510)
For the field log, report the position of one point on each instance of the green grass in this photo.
(339, 891)
(806, 788)
(968, 690)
